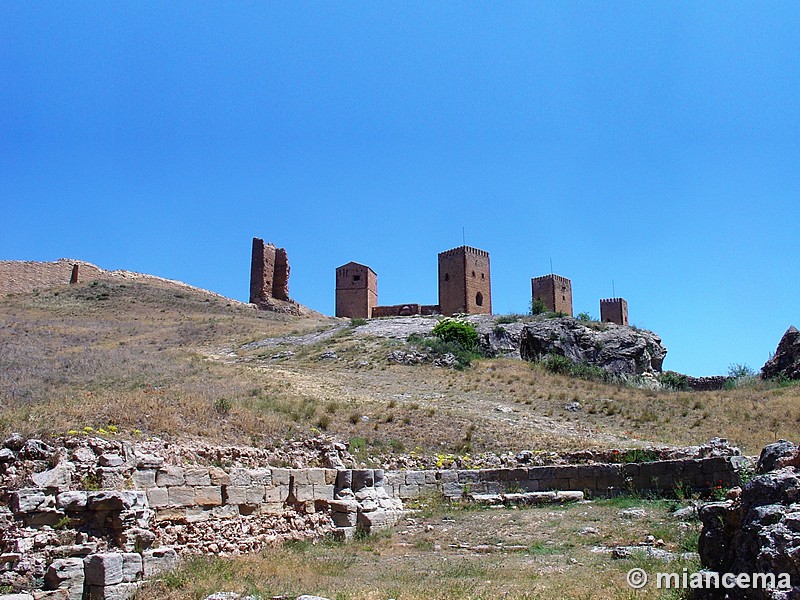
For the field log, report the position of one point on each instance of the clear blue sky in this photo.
(655, 144)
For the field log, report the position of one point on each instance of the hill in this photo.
(153, 358)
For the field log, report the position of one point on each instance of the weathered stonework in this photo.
(27, 276)
(465, 285)
(269, 273)
(122, 536)
(555, 291)
(614, 310)
(405, 310)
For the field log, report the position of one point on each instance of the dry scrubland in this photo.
(165, 361)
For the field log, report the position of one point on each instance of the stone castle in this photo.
(464, 288)
(464, 284)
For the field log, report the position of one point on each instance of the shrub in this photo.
(512, 318)
(458, 331)
(555, 363)
(357, 322)
(538, 306)
(584, 316)
(222, 406)
(673, 381)
(740, 371)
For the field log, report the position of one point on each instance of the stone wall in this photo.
(405, 310)
(700, 475)
(707, 384)
(26, 276)
(102, 543)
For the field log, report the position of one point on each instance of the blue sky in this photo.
(655, 145)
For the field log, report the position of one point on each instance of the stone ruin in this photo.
(465, 287)
(269, 279)
(92, 518)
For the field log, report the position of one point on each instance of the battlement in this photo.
(612, 300)
(553, 277)
(464, 250)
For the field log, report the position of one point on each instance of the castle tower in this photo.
(465, 284)
(614, 310)
(356, 291)
(269, 273)
(555, 291)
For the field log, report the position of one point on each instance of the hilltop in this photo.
(156, 358)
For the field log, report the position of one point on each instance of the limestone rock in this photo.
(58, 478)
(759, 530)
(774, 455)
(66, 573)
(103, 569)
(617, 349)
(31, 500)
(158, 560)
(786, 361)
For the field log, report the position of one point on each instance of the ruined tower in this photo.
(555, 291)
(614, 310)
(269, 273)
(465, 284)
(356, 291)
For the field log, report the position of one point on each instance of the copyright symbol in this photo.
(637, 578)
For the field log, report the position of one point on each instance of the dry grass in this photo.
(453, 553)
(155, 358)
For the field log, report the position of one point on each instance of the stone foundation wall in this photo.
(699, 475)
(102, 544)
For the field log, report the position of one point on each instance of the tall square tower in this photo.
(356, 291)
(555, 291)
(465, 284)
(614, 310)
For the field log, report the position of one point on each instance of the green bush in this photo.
(673, 381)
(538, 306)
(584, 316)
(555, 363)
(740, 371)
(457, 331)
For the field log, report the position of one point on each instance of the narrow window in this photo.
(356, 277)
(479, 299)
(447, 277)
(473, 273)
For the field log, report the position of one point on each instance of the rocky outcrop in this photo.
(758, 531)
(786, 361)
(618, 349)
